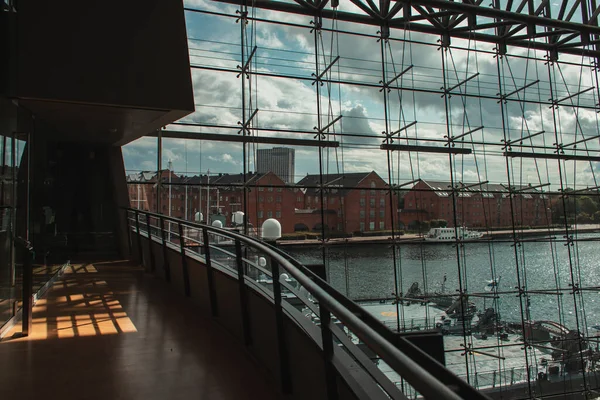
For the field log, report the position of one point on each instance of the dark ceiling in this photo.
(98, 123)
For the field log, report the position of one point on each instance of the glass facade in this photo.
(468, 168)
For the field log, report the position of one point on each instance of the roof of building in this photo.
(143, 176)
(220, 179)
(490, 190)
(236, 179)
(194, 179)
(342, 182)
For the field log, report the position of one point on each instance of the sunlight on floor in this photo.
(76, 306)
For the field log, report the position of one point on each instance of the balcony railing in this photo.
(299, 299)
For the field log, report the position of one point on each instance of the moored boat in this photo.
(451, 234)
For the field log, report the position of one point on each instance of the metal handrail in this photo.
(332, 301)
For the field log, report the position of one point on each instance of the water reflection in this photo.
(543, 269)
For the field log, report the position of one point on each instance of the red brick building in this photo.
(477, 206)
(142, 195)
(266, 196)
(352, 202)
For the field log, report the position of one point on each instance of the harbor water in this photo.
(546, 270)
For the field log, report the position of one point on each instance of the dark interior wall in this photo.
(7, 53)
(73, 179)
(105, 52)
(80, 191)
(120, 197)
(84, 183)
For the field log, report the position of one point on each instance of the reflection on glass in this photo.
(11, 153)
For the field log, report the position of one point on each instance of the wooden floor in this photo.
(107, 331)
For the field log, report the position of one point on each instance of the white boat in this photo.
(449, 234)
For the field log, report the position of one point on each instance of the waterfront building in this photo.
(476, 205)
(218, 194)
(354, 202)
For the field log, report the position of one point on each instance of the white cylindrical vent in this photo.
(217, 224)
(271, 229)
(198, 217)
(262, 262)
(237, 218)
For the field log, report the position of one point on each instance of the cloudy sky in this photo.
(289, 102)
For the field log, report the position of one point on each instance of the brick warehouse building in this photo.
(354, 202)
(477, 206)
(265, 198)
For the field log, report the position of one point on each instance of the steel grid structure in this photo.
(545, 38)
(572, 31)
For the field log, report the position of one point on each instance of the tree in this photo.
(563, 208)
(587, 205)
(584, 218)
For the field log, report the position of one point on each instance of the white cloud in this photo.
(225, 158)
(289, 104)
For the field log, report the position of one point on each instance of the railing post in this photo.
(284, 359)
(150, 241)
(243, 296)
(327, 339)
(139, 238)
(27, 308)
(167, 267)
(212, 294)
(184, 264)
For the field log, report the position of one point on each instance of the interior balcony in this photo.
(206, 311)
(108, 330)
